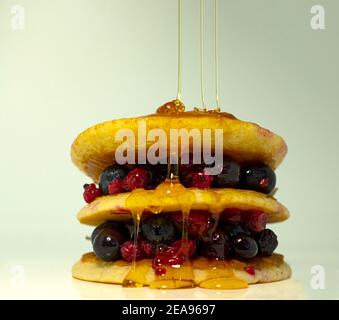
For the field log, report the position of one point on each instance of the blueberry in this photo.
(159, 229)
(111, 225)
(244, 246)
(260, 178)
(106, 241)
(267, 242)
(217, 247)
(157, 174)
(234, 229)
(111, 173)
(229, 176)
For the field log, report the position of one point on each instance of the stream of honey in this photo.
(167, 193)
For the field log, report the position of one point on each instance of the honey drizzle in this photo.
(140, 200)
(128, 282)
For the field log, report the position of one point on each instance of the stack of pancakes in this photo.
(245, 142)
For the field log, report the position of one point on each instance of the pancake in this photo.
(245, 143)
(113, 207)
(230, 274)
(94, 149)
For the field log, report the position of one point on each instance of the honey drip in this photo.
(129, 281)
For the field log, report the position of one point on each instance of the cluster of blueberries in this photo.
(235, 234)
(119, 178)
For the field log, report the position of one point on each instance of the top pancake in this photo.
(94, 149)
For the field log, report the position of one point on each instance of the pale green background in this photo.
(80, 62)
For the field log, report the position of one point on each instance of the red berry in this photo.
(91, 192)
(137, 178)
(197, 180)
(250, 270)
(116, 186)
(160, 262)
(147, 249)
(160, 271)
(255, 220)
(129, 250)
(175, 254)
(199, 223)
(144, 250)
(201, 180)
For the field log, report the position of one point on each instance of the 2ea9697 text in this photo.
(190, 309)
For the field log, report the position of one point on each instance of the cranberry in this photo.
(255, 220)
(199, 223)
(91, 192)
(137, 178)
(116, 186)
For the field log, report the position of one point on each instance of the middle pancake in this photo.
(118, 207)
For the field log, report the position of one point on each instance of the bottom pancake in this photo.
(227, 274)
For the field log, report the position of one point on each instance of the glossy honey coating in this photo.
(230, 274)
(117, 207)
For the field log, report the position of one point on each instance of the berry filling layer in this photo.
(117, 179)
(234, 234)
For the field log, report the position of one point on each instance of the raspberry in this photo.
(116, 186)
(91, 192)
(137, 178)
(199, 223)
(255, 220)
